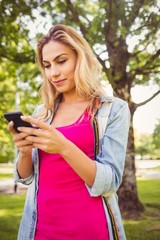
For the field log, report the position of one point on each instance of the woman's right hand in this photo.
(24, 146)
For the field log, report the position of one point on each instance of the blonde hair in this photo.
(88, 71)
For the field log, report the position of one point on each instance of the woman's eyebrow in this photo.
(62, 54)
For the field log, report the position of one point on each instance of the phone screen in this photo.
(15, 117)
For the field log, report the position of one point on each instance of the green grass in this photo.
(156, 168)
(4, 176)
(149, 191)
(11, 207)
(142, 230)
(6, 171)
(147, 228)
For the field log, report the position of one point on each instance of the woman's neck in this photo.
(68, 99)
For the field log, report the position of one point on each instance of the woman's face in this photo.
(59, 63)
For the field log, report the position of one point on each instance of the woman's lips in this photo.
(58, 82)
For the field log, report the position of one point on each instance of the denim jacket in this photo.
(109, 170)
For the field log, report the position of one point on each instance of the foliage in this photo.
(147, 145)
(18, 72)
(14, 34)
(156, 135)
(14, 86)
(143, 146)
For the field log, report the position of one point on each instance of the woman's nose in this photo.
(55, 72)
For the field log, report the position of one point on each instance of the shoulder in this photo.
(117, 108)
(119, 105)
(115, 102)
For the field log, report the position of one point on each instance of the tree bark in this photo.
(130, 205)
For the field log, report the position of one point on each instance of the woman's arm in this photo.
(111, 158)
(50, 140)
(80, 162)
(24, 162)
(24, 165)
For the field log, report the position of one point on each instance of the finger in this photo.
(24, 143)
(41, 146)
(20, 136)
(34, 132)
(11, 128)
(36, 122)
(35, 139)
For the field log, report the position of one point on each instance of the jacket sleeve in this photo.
(17, 178)
(111, 158)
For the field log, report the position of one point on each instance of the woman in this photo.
(67, 183)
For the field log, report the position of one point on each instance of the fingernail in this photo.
(19, 128)
(23, 117)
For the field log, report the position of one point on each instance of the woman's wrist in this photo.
(67, 149)
(24, 165)
(26, 154)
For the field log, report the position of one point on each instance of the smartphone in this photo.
(18, 122)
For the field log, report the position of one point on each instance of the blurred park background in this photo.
(125, 37)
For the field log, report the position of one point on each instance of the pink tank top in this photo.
(66, 211)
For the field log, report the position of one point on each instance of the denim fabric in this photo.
(109, 169)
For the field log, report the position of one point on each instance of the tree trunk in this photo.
(130, 205)
(129, 202)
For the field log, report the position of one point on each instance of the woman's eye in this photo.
(47, 66)
(62, 61)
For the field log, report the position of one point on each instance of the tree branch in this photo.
(104, 51)
(75, 16)
(142, 26)
(20, 57)
(105, 69)
(145, 47)
(148, 100)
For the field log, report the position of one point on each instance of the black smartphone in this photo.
(15, 117)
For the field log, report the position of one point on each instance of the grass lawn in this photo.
(4, 176)
(148, 228)
(11, 207)
(6, 172)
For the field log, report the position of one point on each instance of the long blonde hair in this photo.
(88, 71)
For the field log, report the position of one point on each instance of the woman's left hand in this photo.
(44, 136)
